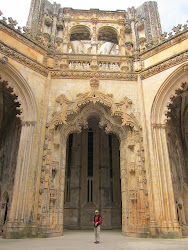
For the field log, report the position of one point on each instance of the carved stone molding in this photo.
(155, 125)
(3, 60)
(21, 37)
(177, 59)
(121, 109)
(88, 74)
(23, 59)
(164, 45)
(20, 89)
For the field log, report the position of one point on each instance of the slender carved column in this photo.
(75, 178)
(20, 193)
(124, 188)
(148, 159)
(94, 39)
(167, 211)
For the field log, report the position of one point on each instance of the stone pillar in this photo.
(18, 214)
(94, 39)
(105, 180)
(66, 37)
(116, 206)
(166, 213)
(62, 185)
(54, 27)
(75, 180)
(124, 188)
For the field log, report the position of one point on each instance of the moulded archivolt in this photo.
(166, 94)
(21, 89)
(69, 108)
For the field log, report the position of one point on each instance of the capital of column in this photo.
(158, 125)
(28, 123)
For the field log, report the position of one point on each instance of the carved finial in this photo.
(4, 19)
(3, 60)
(170, 35)
(12, 22)
(184, 27)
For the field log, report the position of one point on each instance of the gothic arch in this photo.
(21, 89)
(23, 151)
(166, 93)
(172, 87)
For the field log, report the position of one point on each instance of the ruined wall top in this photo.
(135, 25)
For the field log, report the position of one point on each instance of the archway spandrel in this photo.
(121, 109)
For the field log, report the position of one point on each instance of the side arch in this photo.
(22, 90)
(166, 214)
(166, 93)
(19, 205)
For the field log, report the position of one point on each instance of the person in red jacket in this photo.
(97, 222)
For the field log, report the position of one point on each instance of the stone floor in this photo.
(85, 240)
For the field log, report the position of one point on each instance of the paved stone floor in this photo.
(84, 240)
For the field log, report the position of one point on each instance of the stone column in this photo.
(75, 179)
(167, 217)
(54, 27)
(18, 213)
(124, 188)
(105, 180)
(62, 184)
(94, 39)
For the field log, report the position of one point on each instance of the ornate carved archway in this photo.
(115, 118)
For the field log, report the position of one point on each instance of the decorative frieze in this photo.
(87, 74)
(23, 59)
(168, 63)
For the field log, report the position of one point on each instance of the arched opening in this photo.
(185, 203)
(108, 34)
(107, 41)
(80, 32)
(80, 40)
(169, 125)
(177, 141)
(10, 129)
(92, 178)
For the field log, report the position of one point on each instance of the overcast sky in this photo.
(172, 12)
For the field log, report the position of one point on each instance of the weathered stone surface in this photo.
(73, 72)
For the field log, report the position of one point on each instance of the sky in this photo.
(172, 12)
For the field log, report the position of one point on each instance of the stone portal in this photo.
(92, 178)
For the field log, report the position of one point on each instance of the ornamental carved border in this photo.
(23, 59)
(89, 74)
(173, 61)
(121, 109)
(165, 45)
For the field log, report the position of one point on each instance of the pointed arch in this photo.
(166, 93)
(21, 89)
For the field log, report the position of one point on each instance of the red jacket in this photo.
(97, 218)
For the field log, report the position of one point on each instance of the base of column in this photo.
(15, 231)
(155, 232)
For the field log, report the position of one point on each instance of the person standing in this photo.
(97, 222)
